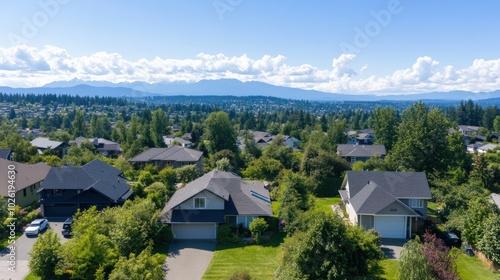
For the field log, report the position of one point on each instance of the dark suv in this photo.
(66, 229)
(451, 239)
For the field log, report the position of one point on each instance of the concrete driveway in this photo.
(22, 247)
(392, 247)
(188, 259)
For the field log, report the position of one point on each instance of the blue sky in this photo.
(367, 46)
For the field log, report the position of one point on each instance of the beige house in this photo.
(25, 181)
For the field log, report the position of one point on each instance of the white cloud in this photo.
(24, 66)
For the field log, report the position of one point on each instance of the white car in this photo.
(36, 227)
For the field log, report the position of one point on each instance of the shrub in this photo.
(164, 234)
(257, 227)
(35, 214)
(226, 234)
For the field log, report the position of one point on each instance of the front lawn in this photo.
(473, 268)
(389, 269)
(260, 261)
(324, 203)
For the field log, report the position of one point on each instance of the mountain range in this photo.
(231, 87)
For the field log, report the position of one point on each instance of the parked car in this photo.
(451, 239)
(36, 227)
(66, 229)
(468, 250)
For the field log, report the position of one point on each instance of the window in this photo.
(353, 160)
(416, 203)
(199, 202)
(24, 192)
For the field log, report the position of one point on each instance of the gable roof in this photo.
(241, 197)
(349, 150)
(45, 143)
(398, 184)
(97, 175)
(173, 153)
(371, 199)
(5, 153)
(26, 174)
(488, 147)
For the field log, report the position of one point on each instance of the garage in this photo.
(59, 210)
(195, 231)
(391, 226)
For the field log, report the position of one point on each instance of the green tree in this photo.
(78, 126)
(477, 214)
(385, 124)
(187, 173)
(143, 266)
(412, 263)
(45, 255)
(159, 127)
(23, 151)
(167, 176)
(219, 133)
(422, 144)
(489, 243)
(336, 133)
(328, 249)
(279, 151)
(263, 168)
(496, 124)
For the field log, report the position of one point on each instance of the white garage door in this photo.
(390, 226)
(194, 231)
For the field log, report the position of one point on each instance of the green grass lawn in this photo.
(32, 277)
(323, 203)
(389, 269)
(473, 268)
(260, 261)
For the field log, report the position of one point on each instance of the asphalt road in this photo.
(22, 247)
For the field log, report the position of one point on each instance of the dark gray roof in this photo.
(45, 143)
(194, 216)
(97, 175)
(398, 184)
(348, 150)
(173, 153)
(5, 153)
(371, 199)
(241, 197)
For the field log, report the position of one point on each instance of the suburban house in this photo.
(353, 153)
(6, 154)
(42, 144)
(393, 203)
(31, 132)
(216, 198)
(171, 140)
(174, 156)
(360, 137)
(27, 180)
(468, 130)
(472, 148)
(263, 139)
(488, 147)
(102, 146)
(67, 189)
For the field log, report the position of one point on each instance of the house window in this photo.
(416, 203)
(24, 192)
(353, 160)
(199, 202)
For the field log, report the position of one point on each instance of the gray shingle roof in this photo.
(348, 150)
(96, 175)
(398, 184)
(242, 197)
(45, 143)
(173, 153)
(372, 199)
(26, 175)
(4, 153)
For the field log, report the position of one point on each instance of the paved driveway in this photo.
(188, 259)
(392, 247)
(23, 246)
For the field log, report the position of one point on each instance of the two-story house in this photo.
(67, 189)
(102, 146)
(393, 203)
(57, 147)
(217, 197)
(25, 179)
